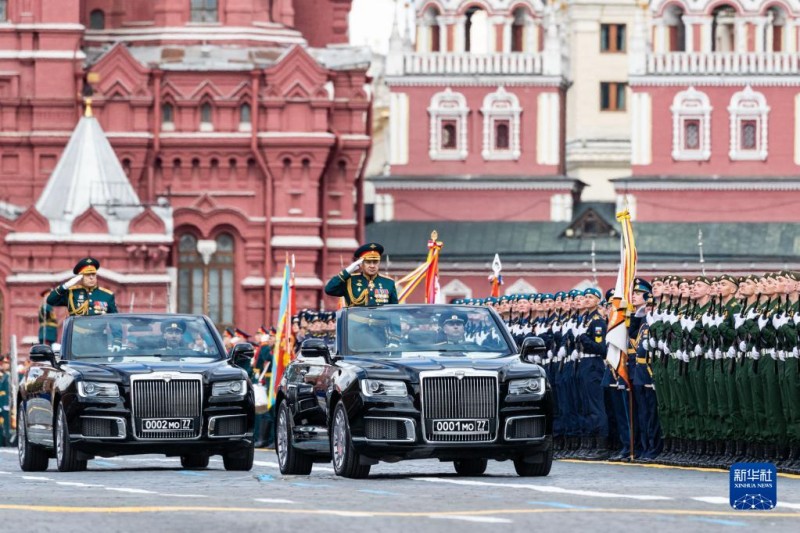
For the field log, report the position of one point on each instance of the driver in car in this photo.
(452, 325)
(172, 332)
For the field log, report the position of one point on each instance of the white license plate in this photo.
(167, 424)
(461, 427)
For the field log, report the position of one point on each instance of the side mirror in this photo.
(42, 353)
(531, 348)
(315, 348)
(242, 353)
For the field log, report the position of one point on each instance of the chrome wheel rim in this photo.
(22, 436)
(339, 439)
(60, 437)
(283, 438)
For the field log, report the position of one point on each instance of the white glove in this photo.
(717, 354)
(781, 355)
(354, 265)
(762, 322)
(742, 346)
(666, 350)
(72, 281)
(698, 350)
(755, 354)
(731, 352)
(661, 345)
(549, 354)
(795, 352)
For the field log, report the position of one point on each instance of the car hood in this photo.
(409, 368)
(121, 372)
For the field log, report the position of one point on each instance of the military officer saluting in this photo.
(360, 284)
(81, 295)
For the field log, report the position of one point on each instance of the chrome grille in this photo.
(524, 428)
(446, 396)
(167, 396)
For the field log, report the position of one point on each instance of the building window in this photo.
(448, 127)
(97, 20)
(245, 117)
(476, 31)
(723, 32)
(518, 30)
(612, 96)
(748, 124)
(430, 35)
(673, 18)
(691, 126)
(501, 126)
(167, 117)
(3, 10)
(205, 282)
(204, 10)
(612, 37)
(206, 123)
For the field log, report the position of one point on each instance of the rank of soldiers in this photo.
(712, 370)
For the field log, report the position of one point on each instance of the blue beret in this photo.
(591, 291)
(561, 294)
(642, 285)
(547, 296)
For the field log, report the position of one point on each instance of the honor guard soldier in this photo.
(48, 325)
(360, 284)
(81, 295)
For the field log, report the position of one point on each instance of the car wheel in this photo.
(538, 469)
(290, 460)
(346, 460)
(470, 467)
(32, 458)
(195, 460)
(66, 456)
(240, 460)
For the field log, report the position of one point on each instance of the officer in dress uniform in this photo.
(81, 295)
(48, 325)
(262, 373)
(360, 284)
(5, 400)
(592, 348)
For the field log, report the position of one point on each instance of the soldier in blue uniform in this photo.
(590, 368)
(81, 295)
(360, 284)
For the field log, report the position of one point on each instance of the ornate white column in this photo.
(661, 44)
(459, 33)
(740, 35)
(706, 35)
(530, 42)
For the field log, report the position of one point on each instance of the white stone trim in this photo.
(448, 105)
(641, 128)
(561, 207)
(797, 129)
(548, 129)
(501, 105)
(398, 128)
(254, 282)
(456, 287)
(301, 283)
(706, 80)
(520, 287)
(748, 105)
(42, 54)
(296, 241)
(691, 104)
(104, 273)
(754, 184)
(476, 185)
(475, 81)
(93, 238)
(341, 243)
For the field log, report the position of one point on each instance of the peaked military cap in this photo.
(229, 332)
(609, 294)
(370, 251)
(241, 333)
(455, 316)
(87, 265)
(262, 330)
(173, 324)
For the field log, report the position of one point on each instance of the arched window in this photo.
(167, 117)
(245, 117)
(774, 33)
(204, 11)
(448, 127)
(476, 31)
(430, 34)
(723, 34)
(206, 123)
(501, 125)
(205, 277)
(518, 30)
(676, 29)
(97, 20)
(748, 121)
(691, 126)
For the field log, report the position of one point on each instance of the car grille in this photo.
(449, 397)
(159, 397)
(95, 427)
(524, 428)
(386, 429)
(228, 426)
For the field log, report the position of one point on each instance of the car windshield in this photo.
(130, 338)
(422, 331)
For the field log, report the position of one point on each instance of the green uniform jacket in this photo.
(80, 301)
(727, 329)
(357, 290)
(48, 325)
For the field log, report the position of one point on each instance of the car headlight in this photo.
(382, 387)
(526, 386)
(96, 389)
(229, 388)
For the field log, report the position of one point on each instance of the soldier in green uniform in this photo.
(725, 379)
(5, 402)
(48, 325)
(81, 295)
(360, 284)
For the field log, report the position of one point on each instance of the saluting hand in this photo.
(71, 282)
(354, 265)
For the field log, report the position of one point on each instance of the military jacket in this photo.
(262, 359)
(727, 329)
(357, 290)
(48, 325)
(80, 301)
(594, 340)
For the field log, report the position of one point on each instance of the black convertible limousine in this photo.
(133, 384)
(408, 382)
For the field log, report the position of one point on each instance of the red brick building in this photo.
(239, 131)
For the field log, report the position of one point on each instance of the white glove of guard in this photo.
(781, 355)
(755, 354)
(661, 345)
(717, 354)
(795, 352)
(731, 352)
(72, 282)
(562, 352)
(354, 266)
(762, 322)
(549, 354)
(742, 346)
(666, 350)
(698, 350)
